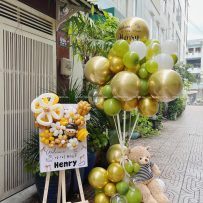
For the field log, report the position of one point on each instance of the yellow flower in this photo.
(82, 134)
(46, 137)
(64, 121)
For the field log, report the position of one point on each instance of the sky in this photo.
(195, 15)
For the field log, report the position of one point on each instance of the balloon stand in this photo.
(62, 187)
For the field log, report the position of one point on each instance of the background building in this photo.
(167, 19)
(194, 57)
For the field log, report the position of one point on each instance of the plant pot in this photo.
(91, 164)
(135, 135)
(53, 187)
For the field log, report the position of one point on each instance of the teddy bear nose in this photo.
(146, 160)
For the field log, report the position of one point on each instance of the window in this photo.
(190, 50)
(169, 28)
(196, 63)
(135, 7)
(173, 30)
(198, 50)
(178, 43)
(164, 6)
(178, 15)
(174, 6)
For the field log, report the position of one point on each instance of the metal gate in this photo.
(27, 68)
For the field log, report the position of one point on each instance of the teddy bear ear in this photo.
(148, 148)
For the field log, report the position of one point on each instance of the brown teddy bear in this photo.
(145, 179)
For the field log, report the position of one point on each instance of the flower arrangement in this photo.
(60, 127)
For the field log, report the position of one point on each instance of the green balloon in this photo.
(120, 47)
(130, 59)
(122, 187)
(143, 87)
(143, 73)
(106, 91)
(156, 41)
(134, 196)
(129, 167)
(136, 167)
(151, 66)
(175, 58)
(148, 42)
(112, 106)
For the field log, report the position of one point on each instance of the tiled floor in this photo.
(179, 153)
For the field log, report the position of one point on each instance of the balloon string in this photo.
(129, 127)
(124, 127)
(133, 127)
(122, 162)
(117, 130)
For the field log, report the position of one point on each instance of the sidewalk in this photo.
(179, 153)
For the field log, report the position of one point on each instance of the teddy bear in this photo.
(145, 179)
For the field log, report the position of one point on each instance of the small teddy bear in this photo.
(145, 179)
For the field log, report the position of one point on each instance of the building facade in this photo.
(194, 57)
(167, 19)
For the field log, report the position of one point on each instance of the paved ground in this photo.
(179, 153)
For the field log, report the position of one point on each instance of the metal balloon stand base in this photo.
(62, 187)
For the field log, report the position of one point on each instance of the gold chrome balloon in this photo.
(99, 102)
(114, 153)
(148, 106)
(133, 28)
(125, 86)
(165, 85)
(110, 189)
(98, 177)
(116, 64)
(97, 70)
(115, 172)
(101, 198)
(129, 105)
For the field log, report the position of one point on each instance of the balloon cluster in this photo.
(136, 74)
(110, 184)
(60, 127)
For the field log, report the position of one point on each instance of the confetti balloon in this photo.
(133, 28)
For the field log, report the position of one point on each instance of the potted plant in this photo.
(30, 156)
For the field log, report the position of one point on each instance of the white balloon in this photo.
(162, 184)
(139, 47)
(164, 61)
(169, 47)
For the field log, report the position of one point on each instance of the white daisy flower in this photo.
(57, 129)
(73, 143)
(46, 106)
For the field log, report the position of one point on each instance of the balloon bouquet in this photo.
(136, 76)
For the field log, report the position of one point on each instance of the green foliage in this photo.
(97, 127)
(176, 108)
(98, 123)
(144, 127)
(30, 153)
(89, 37)
(187, 77)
